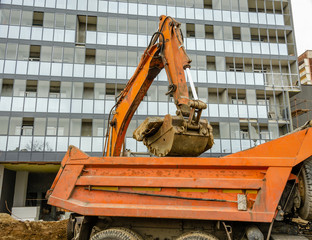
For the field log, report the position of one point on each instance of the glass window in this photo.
(68, 55)
(132, 58)
(251, 96)
(63, 127)
(75, 127)
(66, 88)
(2, 51)
(54, 91)
(4, 122)
(112, 24)
(5, 16)
(152, 26)
(200, 31)
(224, 130)
(59, 20)
(39, 126)
(31, 89)
(57, 54)
(15, 126)
(122, 25)
(43, 88)
(190, 30)
(228, 34)
(111, 57)
(162, 90)
(34, 52)
(23, 52)
(98, 127)
(38, 18)
(51, 126)
(235, 130)
(132, 26)
(201, 62)
(48, 20)
(26, 18)
(142, 27)
(46, 53)
(77, 89)
(152, 93)
(199, 3)
(99, 90)
(102, 24)
(15, 17)
(245, 34)
(100, 56)
(86, 127)
(19, 87)
(70, 22)
(11, 51)
(7, 87)
(122, 57)
(91, 23)
(80, 55)
(217, 30)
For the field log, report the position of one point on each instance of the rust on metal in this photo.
(174, 136)
(259, 174)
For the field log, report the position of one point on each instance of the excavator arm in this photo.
(166, 50)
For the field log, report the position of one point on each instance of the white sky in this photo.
(302, 12)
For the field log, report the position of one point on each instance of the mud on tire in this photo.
(305, 189)
(197, 236)
(116, 234)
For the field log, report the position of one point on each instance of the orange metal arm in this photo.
(130, 98)
(175, 61)
(168, 53)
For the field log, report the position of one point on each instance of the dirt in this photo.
(11, 228)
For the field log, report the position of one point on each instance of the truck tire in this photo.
(305, 190)
(69, 231)
(196, 236)
(116, 234)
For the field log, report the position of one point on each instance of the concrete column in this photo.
(1, 178)
(20, 189)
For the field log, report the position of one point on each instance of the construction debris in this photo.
(11, 228)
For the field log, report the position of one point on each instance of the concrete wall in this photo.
(7, 177)
(20, 190)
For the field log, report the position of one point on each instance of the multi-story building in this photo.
(305, 67)
(64, 62)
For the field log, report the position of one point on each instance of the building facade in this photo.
(63, 63)
(305, 67)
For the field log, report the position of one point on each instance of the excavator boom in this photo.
(182, 135)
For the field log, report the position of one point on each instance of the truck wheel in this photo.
(116, 234)
(69, 231)
(305, 190)
(196, 236)
(70, 227)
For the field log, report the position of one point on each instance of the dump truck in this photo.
(176, 194)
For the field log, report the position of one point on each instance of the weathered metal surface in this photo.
(120, 186)
(287, 237)
(173, 136)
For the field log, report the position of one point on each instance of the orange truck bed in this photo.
(244, 186)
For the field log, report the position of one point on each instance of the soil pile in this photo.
(11, 228)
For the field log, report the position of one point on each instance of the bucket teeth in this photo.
(171, 136)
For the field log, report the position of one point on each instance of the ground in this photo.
(11, 228)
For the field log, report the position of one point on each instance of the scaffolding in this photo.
(300, 107)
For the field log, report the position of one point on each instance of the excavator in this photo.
(259, 193)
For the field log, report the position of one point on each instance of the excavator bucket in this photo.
(172, 136)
